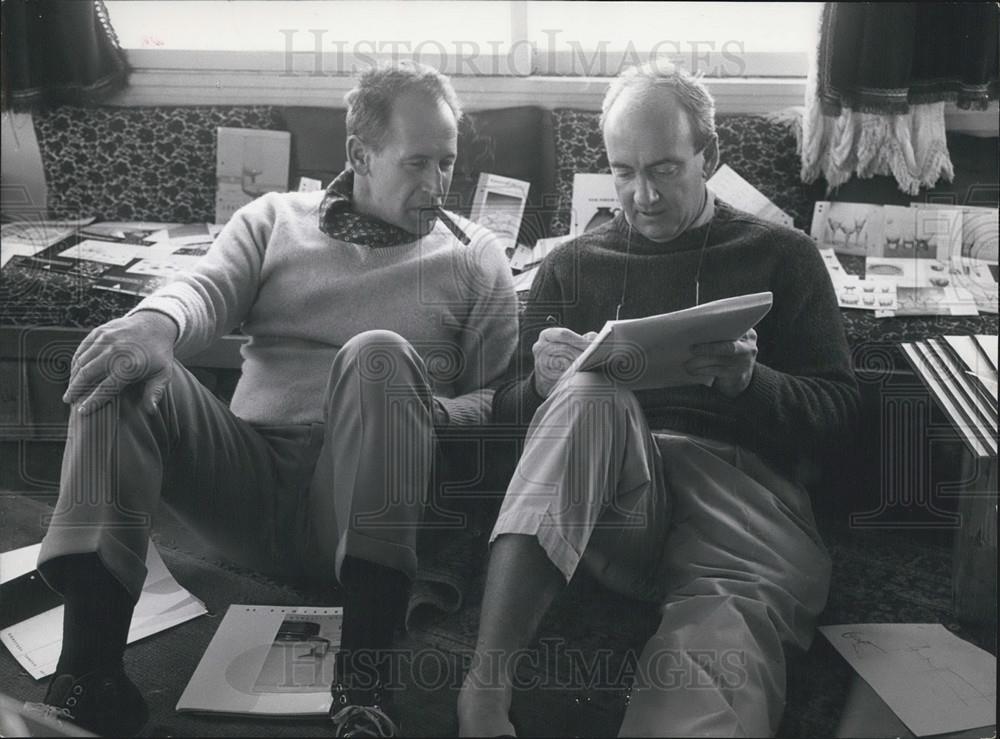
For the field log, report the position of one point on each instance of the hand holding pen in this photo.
(555, 350)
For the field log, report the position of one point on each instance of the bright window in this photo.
(717, 39)
(467, 37)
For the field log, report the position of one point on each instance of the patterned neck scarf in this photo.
(339, 220)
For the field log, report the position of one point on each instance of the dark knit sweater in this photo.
(803, 399)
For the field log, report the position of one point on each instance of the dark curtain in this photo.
(59, 52)
(882, 57)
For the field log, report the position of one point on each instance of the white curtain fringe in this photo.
(910, 147)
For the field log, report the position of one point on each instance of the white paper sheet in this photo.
(110, 252)
(9, 251)
(498, 205)
(980, 230)
(18, 562)
(27, 238)
(121, 229)
(39, 233)
(934, 681)
(169, 267)
(249, 667)
(741, 194)
(525, 280)
(644, 353)
(988, 343)
(975, 360)
(524, 256)
(874, 295)
(36, 642)
(248, 163)
(849, 228)
(593, 195)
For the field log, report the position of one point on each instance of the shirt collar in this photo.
(707, 210)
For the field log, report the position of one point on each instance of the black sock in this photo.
(97, 617)
(374, 606)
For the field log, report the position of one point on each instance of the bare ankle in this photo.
(483, 710)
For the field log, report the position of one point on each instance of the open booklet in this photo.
(268, 660)
(650, 352)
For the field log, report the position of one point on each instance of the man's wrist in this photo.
(160, 322)
(533, 383)
(440, 413)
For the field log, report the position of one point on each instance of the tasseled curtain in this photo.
(879, 83)
(59, 52)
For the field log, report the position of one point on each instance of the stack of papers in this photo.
(939, 260)
(27, 238)
(961, 372)
(37, 641)
(143, 256)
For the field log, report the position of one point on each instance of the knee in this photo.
(121, 406)
(592, 386)
(376, 354)
(374, 360)
(376, 339)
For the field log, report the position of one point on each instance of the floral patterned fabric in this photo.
(158, 164)
(125, 164)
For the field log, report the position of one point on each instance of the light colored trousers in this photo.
(724, 543)
(277, 498)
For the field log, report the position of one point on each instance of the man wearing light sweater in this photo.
(372, 318)
(692, 497)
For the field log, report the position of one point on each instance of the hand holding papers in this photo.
(651, 352)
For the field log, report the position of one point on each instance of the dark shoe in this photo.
(360, 718)
(104, 702)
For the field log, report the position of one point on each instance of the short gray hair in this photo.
(688, 90)
(370, 101)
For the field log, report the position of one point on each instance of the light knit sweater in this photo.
(299, 295)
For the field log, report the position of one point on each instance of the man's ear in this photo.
(357, 155)
(711, 152)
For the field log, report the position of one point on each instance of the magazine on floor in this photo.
(268, 660)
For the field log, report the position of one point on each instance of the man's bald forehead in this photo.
(660, 89)
(647, 103)
(643, 96)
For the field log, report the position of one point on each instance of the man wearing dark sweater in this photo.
(692, 497)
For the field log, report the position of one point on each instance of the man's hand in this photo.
(554, 351)
(730, 362)
(120, 353)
